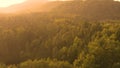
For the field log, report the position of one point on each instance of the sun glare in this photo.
(7, 3)
(117, 0)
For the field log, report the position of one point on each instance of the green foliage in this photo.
(103, 51)
(83, 44)
(40, 64)
(66, 39)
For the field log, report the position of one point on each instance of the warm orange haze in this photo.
(59, 33)
(19, 6)
(7, 3)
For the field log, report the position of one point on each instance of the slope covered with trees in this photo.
(91, 9)
(59, 40)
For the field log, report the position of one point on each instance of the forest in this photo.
(86, 37)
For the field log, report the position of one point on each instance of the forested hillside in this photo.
(70, 36)
(91, 9)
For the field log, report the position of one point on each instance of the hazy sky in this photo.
(7, 3)
(117, 0)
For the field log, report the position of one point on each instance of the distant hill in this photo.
(91, 10)
(85, 10)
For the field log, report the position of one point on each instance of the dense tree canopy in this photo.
(59, 40)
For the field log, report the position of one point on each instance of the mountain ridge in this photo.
(86, 10)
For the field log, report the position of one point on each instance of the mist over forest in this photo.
(61, 34)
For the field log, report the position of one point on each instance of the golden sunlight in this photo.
(7, 3)
(117, 0)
